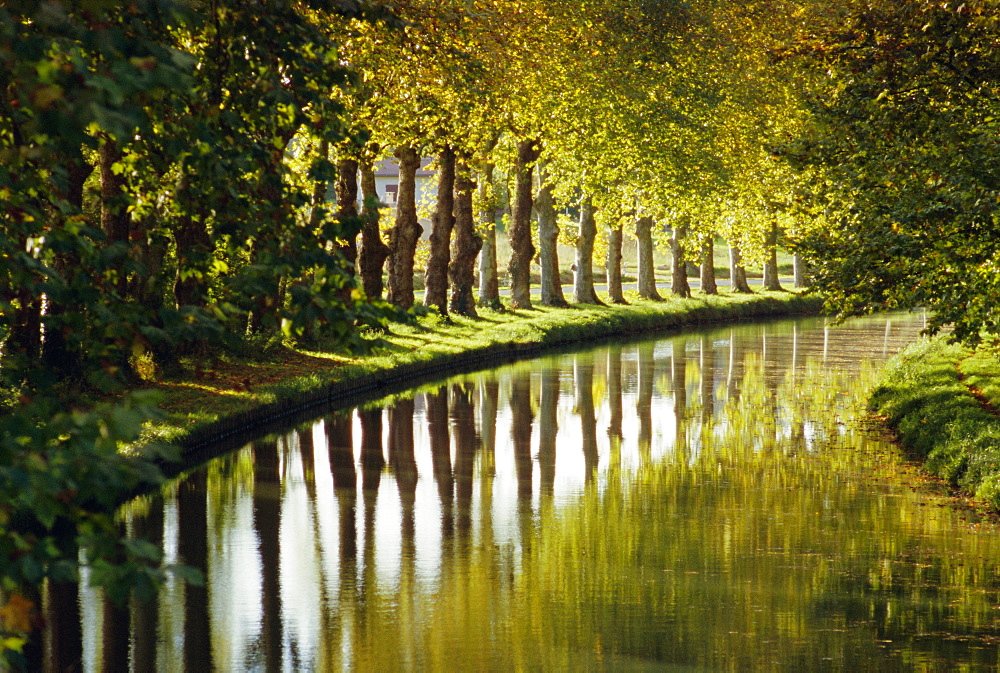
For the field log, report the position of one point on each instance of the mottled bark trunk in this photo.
(56, 351)
(708, 285)
(583, 275)
(373, 250)
(275, 210)
(319, 203)
(404, 235)
(771, 281)
(347, 216)
(522, 251)
(114, 206)
(737, 272)
(678, 280)
(548, 248)
(436, 275)
(799, 272)
(613, 265)
(25, 337)
(465, 246)
(644, 248)
(489, 286)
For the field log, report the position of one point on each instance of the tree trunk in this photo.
(771, 261)
(521, 248)
(373, 250)
(708, 285)
(319, 204)
(25, 337)
(583, 275)
(613, 265)
(114, 207)
(678, 280)
(548, 249)
(275, 210)
(347, 218)
(489, 286)
(644, 246)
(799, 272)
(737, 272)
(56, 353)
(465, 246)
(436, 276)
(404, 235)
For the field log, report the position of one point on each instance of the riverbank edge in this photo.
(523, 334)
(941, 401)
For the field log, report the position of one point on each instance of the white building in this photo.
(387, 186)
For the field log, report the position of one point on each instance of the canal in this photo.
(703, 501)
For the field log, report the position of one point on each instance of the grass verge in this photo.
(941, 400)
(222, 404)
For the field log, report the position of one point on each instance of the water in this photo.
(706, 501)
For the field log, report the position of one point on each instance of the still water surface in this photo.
(705, 501)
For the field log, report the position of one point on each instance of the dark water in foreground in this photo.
(700, 502)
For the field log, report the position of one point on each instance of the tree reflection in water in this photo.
(731, 516)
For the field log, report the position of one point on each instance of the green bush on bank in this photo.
(925, 396)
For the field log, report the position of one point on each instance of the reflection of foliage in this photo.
(770, 542)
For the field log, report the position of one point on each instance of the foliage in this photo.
(902, 155)
(146, 209)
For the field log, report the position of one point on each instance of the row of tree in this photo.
(165, 165)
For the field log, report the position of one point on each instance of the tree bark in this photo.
(583, 276)
(436, 275)
(466, 244)
(737, 272)
(114, 208)
(799, 272)
(708, 284)
(613, 265)
(678, 281)
(56, 353)
(521, 248)
(647, 272)
(274, 209)
(771, 281)
(404, 235)
(373, 250)
(347, 217)
(548, 249)
(319, 204)
(489, 285)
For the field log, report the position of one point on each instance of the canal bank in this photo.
(219, 403)
(942, 402)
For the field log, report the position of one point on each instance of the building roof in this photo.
(389, 168)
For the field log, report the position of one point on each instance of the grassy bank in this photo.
(942, 401)
(221, 402)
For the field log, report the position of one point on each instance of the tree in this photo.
(466, 244)
(901, 153)
(522, 250)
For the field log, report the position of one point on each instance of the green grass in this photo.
(236, 394)
(630, 261)
(942, 401)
